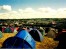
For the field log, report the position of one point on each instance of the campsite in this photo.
(38, 35)
(32, 24)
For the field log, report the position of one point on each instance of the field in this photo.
(47, 43)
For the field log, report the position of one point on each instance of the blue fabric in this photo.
(27, 37)
(21, 40)
(15, 42)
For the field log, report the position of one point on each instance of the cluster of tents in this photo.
(8, 29)
(24, 39)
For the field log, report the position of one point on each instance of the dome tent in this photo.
(27, 37)
(8, 30)
(36, 34)
(21, 40)
(15, 42)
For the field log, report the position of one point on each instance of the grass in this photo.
(45, 44)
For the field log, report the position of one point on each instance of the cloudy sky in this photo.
(18, 9)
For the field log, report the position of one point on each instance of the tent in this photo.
(12, 29)
(27, 37)
(42, 32)
(22, 40)
(15, 31)
(1, 35)
(3, 28)
(7, 30)
(51, 34)
(36, 34)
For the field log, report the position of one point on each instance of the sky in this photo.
(34, 3)
(10, 9)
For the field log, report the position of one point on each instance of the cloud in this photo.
(29, 10)
(6, 7)
(0, 7)
(37, 13)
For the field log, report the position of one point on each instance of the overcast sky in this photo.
(32, 9)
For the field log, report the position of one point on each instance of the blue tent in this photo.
(22, 40)
(27, 37)
(36, 34)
